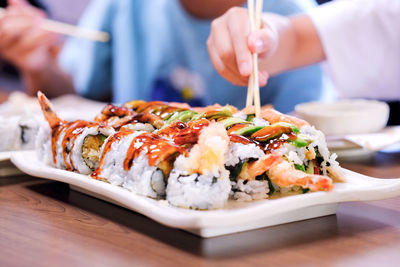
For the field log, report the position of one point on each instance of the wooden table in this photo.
(44, 223)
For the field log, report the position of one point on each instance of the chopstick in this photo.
(250, 92)
(253, 90)
(71, 30)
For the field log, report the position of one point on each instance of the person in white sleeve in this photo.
(359, 39)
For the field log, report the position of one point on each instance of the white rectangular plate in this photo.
(225, 221)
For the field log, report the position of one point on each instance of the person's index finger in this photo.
(239, 32)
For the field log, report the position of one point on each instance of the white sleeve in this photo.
(361, 40)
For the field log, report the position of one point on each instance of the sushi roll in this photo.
(18, 132)
(113, 152)
(74, 146)
(43, 145)
(200, 180)
(240, 154)
(9, 134)
(262, 153)
(84, 155)
(138, 161)
(195, 158)
(28, 127)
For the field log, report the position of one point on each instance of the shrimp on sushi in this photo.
(74, 146)
(273, 116)
(283, 174)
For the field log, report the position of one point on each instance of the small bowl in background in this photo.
(351, 116)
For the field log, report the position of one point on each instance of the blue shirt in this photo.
(158, 51)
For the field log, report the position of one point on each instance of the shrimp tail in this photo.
(48, 111)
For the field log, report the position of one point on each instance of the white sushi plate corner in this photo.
(236, 218)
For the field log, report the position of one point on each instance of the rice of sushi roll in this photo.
(85, 152)
(144, 179)
(200, 180)
(245, 190)
(314, 154)
(18, 132)
(28, 129)
(43, 145)
(8, 134)
(138, 161)
(113, 152)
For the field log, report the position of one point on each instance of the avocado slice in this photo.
(302, 140)
(310, 168)
(217, 114)
(250, 117)
(248, 130)
(172, 117)
(274, 130)
(186, 116)
(228, 122)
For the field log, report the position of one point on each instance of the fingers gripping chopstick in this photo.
(253, 90)
(71, 30)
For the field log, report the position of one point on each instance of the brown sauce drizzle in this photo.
(112, 111)
(143, 106)
(268, 147)
(276, 143)
(154, 112)
(172, 129)
(235, 138)
(107, 147)
(169, 111)
(158, 107)
(140, 117)
(55, 133)
(271, 131)
(70, 133)
(156, 148)
(148, 118)
(190, 134)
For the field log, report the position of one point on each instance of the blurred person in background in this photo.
(157, 52)
(7, 70)
(360, 40)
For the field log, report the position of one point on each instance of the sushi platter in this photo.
(211, 171)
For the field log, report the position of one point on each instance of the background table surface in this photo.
(44, 223)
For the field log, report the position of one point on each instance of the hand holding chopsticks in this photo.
(253, 90)
(71, 30)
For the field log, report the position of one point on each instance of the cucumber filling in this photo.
(91, 150)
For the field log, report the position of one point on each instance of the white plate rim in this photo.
(370, 189)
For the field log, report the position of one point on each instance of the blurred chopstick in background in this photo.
(71, 30)
(253, 90)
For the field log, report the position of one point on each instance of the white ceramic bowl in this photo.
(346, 116)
